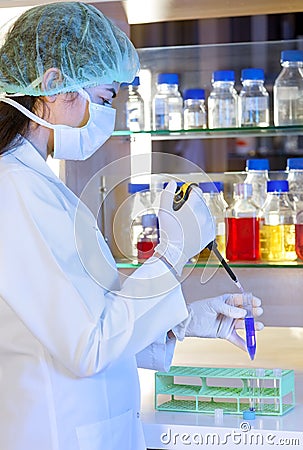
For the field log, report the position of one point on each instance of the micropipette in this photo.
(180, 198)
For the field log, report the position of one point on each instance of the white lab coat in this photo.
(68, 342)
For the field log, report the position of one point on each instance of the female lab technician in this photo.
(70, 337)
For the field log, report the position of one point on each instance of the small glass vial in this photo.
(194, 113)
(277, 224)
(223, 100)
(134, 107)
(253, 99)
(213, 196)
(242, 226)
(257, 176)
(288, 90)
(140, 204)
(167, 104)
(149, 238)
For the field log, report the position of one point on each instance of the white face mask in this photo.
(72, 142)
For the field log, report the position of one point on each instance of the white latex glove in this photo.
(218, 317)
(183, 233)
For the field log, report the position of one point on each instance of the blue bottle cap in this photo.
(149, 220)
(210, 187)
(294, 163)
(223, 75)
(135, 82)
(249, 414)
(277, 186)
(168, 78)
(195, 94)
(291, 55)
(137, 187)
(252, 74)
(257, 164)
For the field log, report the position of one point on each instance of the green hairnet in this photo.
(74, 37)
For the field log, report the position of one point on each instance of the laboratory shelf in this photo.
(272, 394)
(124, 264)
(206, 133)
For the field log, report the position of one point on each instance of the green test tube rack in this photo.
(204, 389)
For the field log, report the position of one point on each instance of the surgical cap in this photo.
(74, 37)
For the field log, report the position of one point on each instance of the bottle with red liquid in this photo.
(299, 234)
(149, 238)
(242, 226)
(295, 195)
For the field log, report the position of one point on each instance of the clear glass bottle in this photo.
(119, 103)
(277, 224)
(148, 239)
(294, 170)
(213, 196)
(242, 226)
(253, 99)
(288, 90)
(167, 104)
(194, 112)
(134, 107)
(257, 176)
(140, 204)
(295, 195)
(223, 100)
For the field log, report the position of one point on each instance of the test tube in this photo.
(252, 390)
(249, 325)
(277, 373)
(219, 416)
(260, 388)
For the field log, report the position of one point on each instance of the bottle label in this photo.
(288, 93)
(175, 121)
(256, 103)
(221, 228)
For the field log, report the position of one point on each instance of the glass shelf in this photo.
(240, 264)
(206, 133)
(195, 63)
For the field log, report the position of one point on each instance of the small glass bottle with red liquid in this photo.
(295, 196)
(242, 226)
(149, 238)
(299, 234)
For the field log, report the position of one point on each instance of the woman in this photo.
(71, 339)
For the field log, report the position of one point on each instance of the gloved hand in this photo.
(183, 233)
(218, 317)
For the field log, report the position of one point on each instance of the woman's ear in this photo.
(51, 79)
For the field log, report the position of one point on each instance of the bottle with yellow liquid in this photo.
(213, 196)
(277, 224)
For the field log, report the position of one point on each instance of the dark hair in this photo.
(13, 123)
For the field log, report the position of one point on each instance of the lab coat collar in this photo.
(30, 157)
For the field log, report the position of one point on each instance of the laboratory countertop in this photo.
(277, 347)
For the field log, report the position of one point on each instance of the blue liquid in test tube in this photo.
(249, 325)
